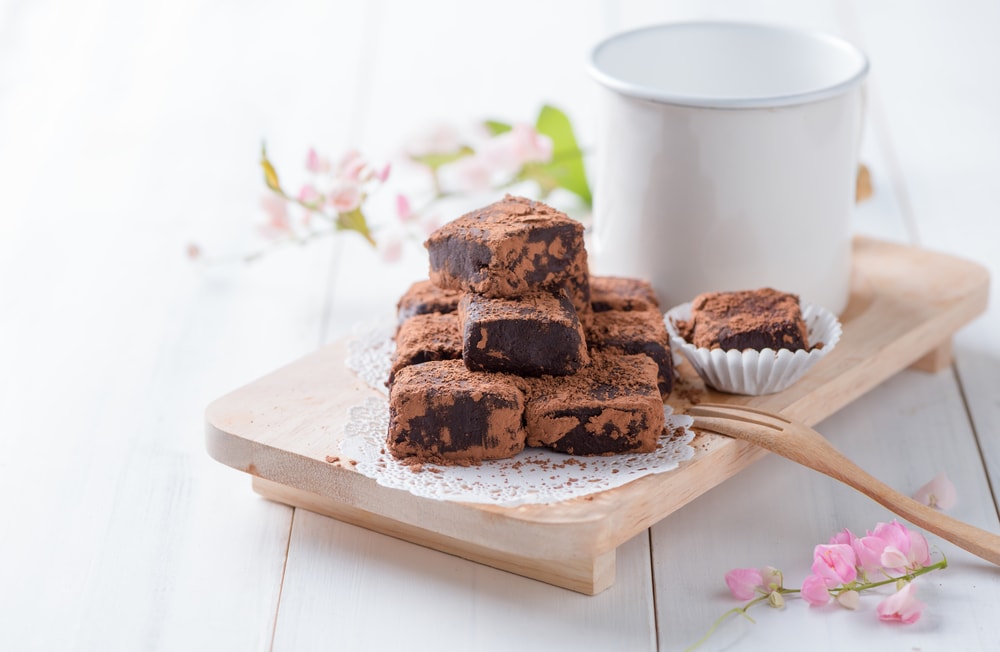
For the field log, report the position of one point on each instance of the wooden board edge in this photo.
(587, 575)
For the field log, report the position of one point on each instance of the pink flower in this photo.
(278, 223)
(345, 196)
(849, 599)
(771, 578)
(391, 250)
(901, 606)
(315, 163)
(939, 493)
(509, 151)
(844, 536)
(430, 224)
(814, 591)
(439, 139)
(744, 582)
(383, 173)
(835, 564)
(903, 548)
(468, 174)
(350, 166)
(309, 195)
(894, 534)
(919, 554)
(869, 553)
(403, 209)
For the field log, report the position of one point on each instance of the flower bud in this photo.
(771, 578)
(849, 599)
(775, 599)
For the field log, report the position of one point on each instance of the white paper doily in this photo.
(533, 476)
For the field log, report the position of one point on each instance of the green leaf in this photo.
(437, 159)
(355, 221)
(566, 166)
(270, 174)
(496, 128)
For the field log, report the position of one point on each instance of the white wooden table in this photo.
(129, 129)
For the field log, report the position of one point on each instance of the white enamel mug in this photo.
(727, 159)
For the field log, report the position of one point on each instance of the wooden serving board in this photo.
(906, 303)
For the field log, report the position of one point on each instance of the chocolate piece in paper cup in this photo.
(754, 372)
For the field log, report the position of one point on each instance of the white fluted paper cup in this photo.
(754, 372)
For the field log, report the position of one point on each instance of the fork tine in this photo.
(712, 420)
(747, 408)
(755, 417)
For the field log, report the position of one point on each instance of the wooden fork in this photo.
(804, 445)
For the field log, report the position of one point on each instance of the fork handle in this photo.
(981, 543)
(812, 450)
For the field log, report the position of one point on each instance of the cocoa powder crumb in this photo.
(332, 459)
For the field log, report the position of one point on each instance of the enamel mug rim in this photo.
(629, 63)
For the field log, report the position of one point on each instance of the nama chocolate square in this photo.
(442, 412)
(748, 319)
(510, 248)
(425, 338)
(619, 293)
(423, 297)
(635, 332)
(531, 335)
(612, 406)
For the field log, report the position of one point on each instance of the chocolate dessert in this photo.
(635, 332)
(580, 369)
(611, 406)
(442, 412)
(423, 297)
(618, 293)
(510, 248)
(748, 319)
(424, 338)
(531, 335)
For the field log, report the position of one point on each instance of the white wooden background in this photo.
(128, 129)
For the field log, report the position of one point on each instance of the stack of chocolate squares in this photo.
(511, 343)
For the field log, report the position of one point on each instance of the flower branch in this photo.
(842, 570)
(499, 155)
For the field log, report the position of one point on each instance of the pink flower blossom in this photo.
(893, 558)
(771, 578)
(383, 173)
(278, 223)
(869, 551)
(835, 564)
(439, 139)
(849, 599)
(902, 549)
(403, 209)
(430, 224)
(509, 151)
(309, 195)
(351, 166)
(894, 534)
(814, 591)
(391, 250)
(901, 606)
(939, 493)
(919, 554)
(345, 196)
(469, 174)
(744, 582)
(844, 536)
(315, 163)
